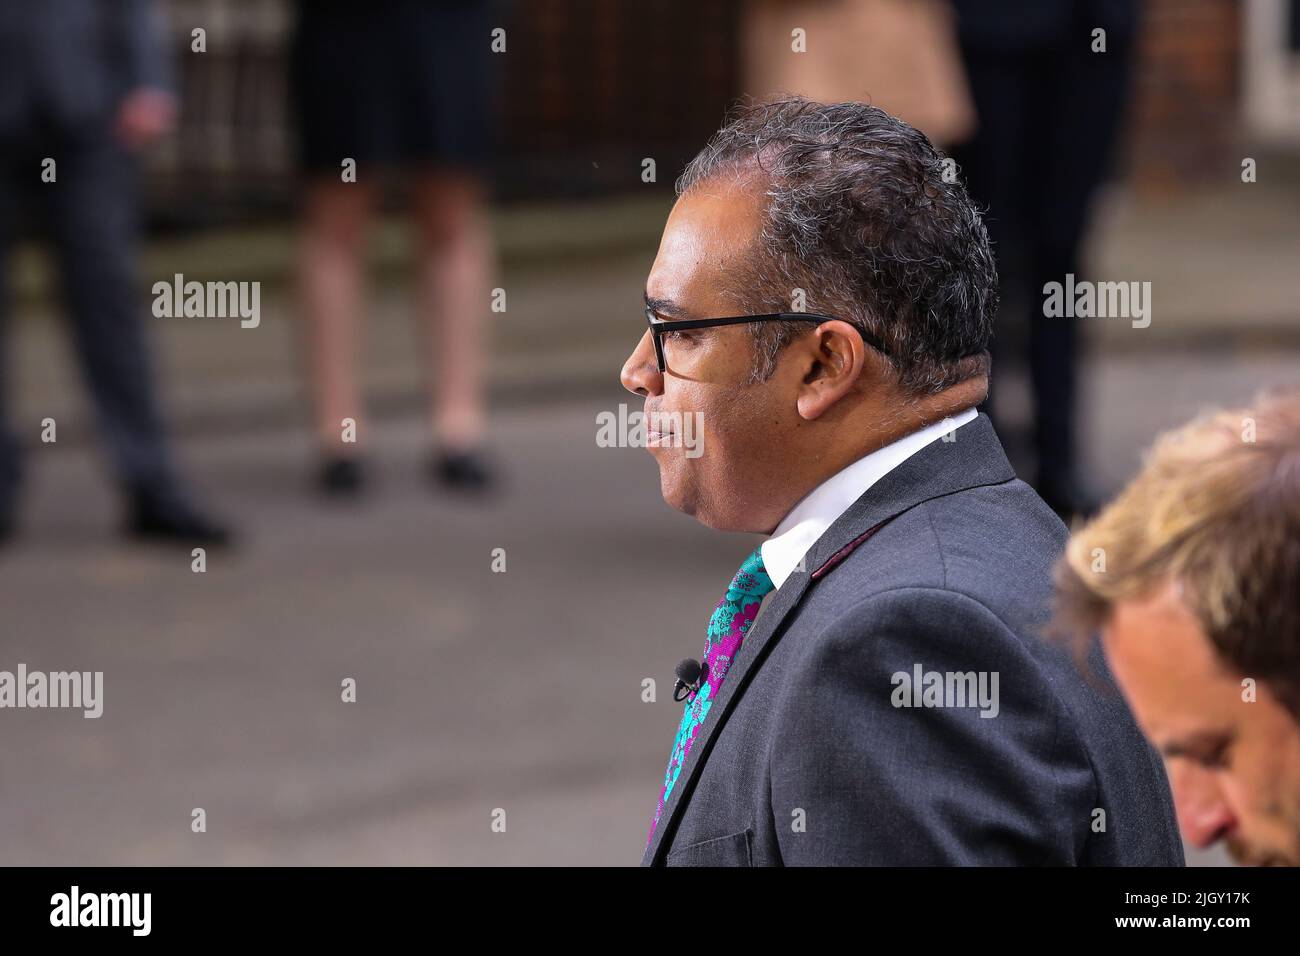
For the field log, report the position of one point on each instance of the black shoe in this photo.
(467, 471)
(168, 517)
(341, 477)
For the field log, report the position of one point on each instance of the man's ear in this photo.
(833, 359)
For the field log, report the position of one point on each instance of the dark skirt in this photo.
(394, 82)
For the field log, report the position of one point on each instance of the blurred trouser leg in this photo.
(1087, 97)
(1053, 367)
(10, 448)
(93, 224)
(994, 165)
(1048, 121)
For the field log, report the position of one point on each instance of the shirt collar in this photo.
(809, 519)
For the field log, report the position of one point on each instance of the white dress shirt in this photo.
(809, 519)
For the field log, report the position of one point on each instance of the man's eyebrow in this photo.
(667, 308)
(1197, 744)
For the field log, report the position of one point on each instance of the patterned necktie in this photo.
(727, 629)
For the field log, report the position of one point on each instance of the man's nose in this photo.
(640, 373)
(1204, 815)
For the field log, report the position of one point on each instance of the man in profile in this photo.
(823, 300)
(1192, 575)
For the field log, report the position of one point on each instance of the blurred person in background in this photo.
(396, 84)
(85, 83)
(1048, 109)
(1192, 576)
(899, 55)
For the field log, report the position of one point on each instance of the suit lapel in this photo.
(975, 458)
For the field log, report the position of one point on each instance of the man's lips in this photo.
(658, 427)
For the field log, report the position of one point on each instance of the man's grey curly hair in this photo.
(861, 216)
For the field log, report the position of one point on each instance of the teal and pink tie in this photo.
(727, 629)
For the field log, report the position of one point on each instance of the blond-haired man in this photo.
(1192, 576)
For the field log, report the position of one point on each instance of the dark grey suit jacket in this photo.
(804, 757)
(70, 62)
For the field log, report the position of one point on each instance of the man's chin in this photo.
(1257, 856)
(690, 504)
(684, 496)
(674, 494)
(718, 511)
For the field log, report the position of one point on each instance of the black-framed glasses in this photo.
(659, 328)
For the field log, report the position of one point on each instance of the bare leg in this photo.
(455, 271)
(331, 290)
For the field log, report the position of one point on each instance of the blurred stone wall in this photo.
(592, 87)
(589, 89)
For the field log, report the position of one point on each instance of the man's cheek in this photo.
(692, 434)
